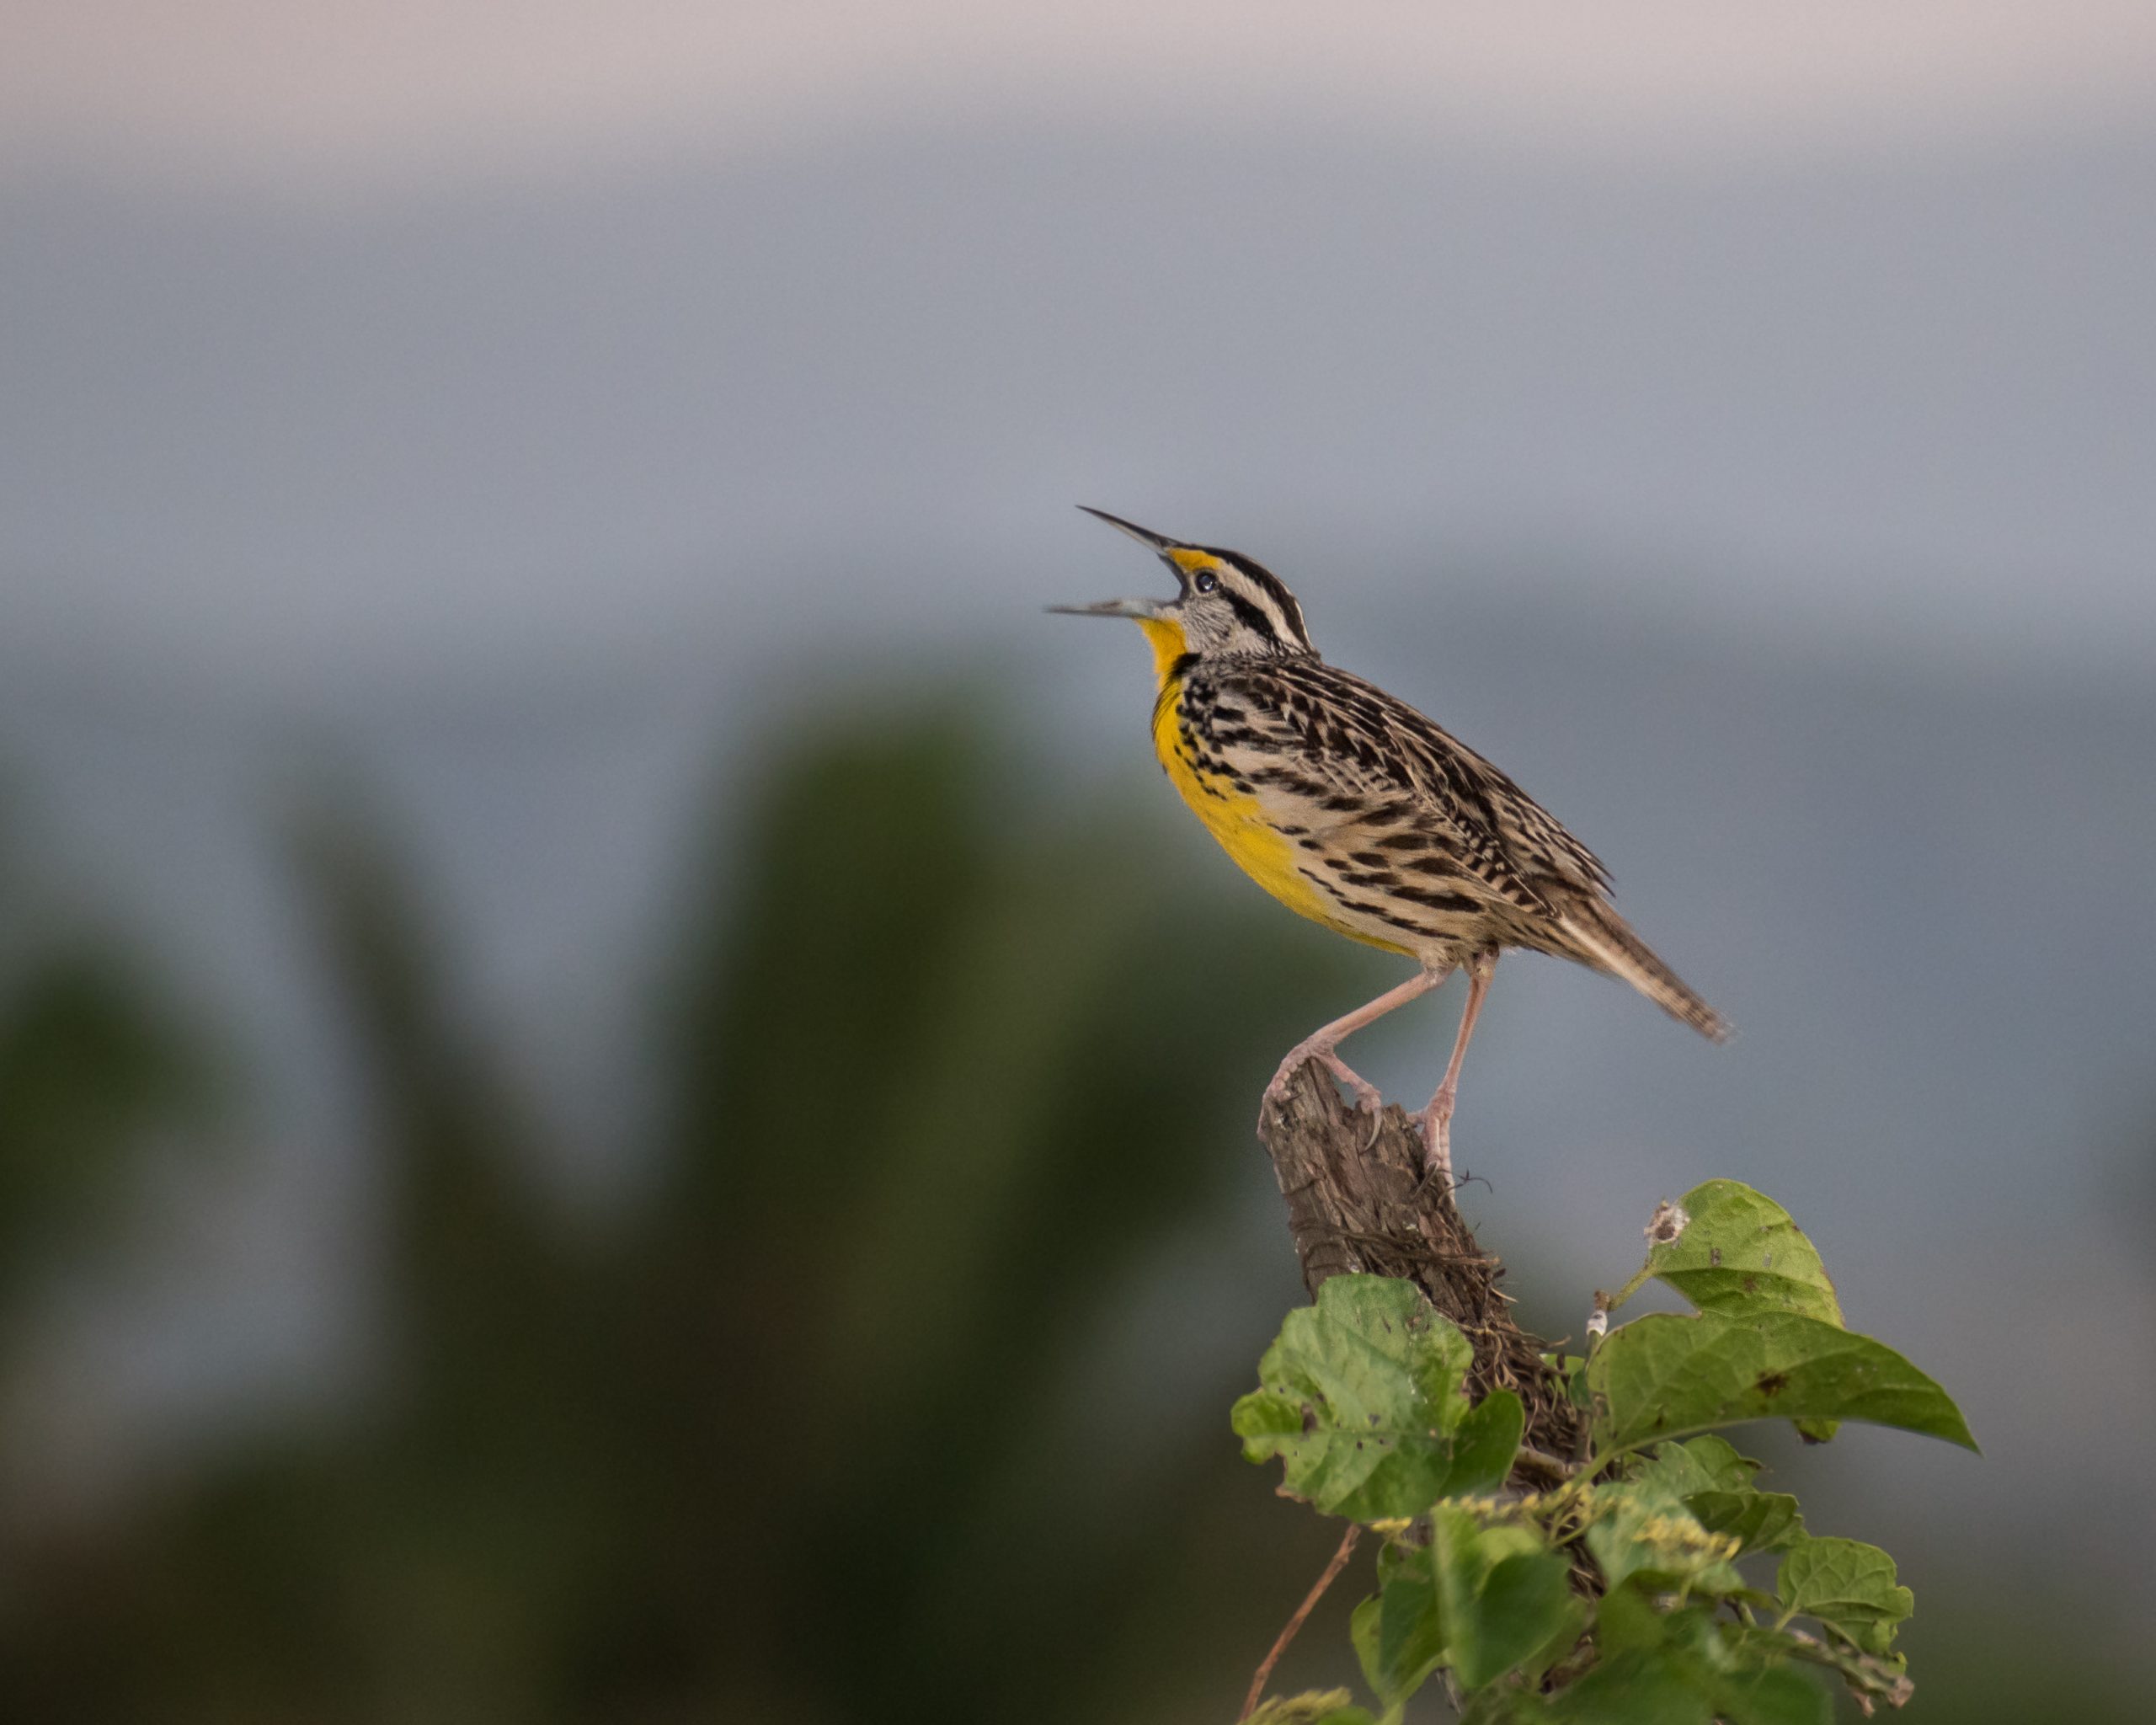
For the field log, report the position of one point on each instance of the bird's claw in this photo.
(1435, 1124)
(1368, 1097)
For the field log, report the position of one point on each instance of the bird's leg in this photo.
(1436, 1119)
(1320, 1045)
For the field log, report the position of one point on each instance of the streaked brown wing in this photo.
(1367, 755)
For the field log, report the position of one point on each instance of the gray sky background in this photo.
(352, 344)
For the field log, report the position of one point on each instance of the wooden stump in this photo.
(1359, 1203)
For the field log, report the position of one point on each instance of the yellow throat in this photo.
(1233, 817)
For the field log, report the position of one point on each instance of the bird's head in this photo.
(1227, 606)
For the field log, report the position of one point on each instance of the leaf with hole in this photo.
(1741, 1254)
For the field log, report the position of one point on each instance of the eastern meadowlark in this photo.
(1352, 809)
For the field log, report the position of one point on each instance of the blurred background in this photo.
(622, 1096)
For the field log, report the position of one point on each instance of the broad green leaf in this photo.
(1849, 1585)
(1740, 1254)
(1363, 1398)
(1397, 1637)
(1666, 1376)
(1703, 1464)
(1483, 1443)
(1640, 1529)
(1410, 1642)
(1501, 1598)
(1530, 1615)
(1761, 1521)
(1331, 1706)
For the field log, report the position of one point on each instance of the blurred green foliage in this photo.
(786, 1438)
(92, 1065)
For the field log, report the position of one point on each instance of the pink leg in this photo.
(1436, 1119)
(1320, 1045)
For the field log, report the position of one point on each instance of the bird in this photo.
(1354, 809)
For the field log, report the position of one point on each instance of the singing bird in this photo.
(1354, 809)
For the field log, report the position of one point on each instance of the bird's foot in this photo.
(1368, 1097)
(1435, 1123)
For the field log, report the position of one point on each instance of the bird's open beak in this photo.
(1156, 543)
(1112, 607)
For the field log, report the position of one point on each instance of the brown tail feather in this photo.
(1606, 941)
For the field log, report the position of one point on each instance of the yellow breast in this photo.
(1233, 817)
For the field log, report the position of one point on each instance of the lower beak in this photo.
(1114, 607)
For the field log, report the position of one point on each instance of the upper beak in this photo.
(1159, 542)
(1124, 607)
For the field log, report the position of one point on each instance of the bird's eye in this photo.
(1206, 581)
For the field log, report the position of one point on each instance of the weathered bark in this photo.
(1359, 1203)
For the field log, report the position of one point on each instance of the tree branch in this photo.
(1302, 1612)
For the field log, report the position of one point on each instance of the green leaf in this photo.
(1501, 1598)
(1410, 1642)
(1848, 1586)
(1703, 1464)
(1397, 1637)
(1715, 1483)
(1528, 1597)
(1330, 1706)
(1363, 1398)
(1761, 1521)
(1363, 1631)
(1668, 1376)
(1740, 1254)
(1483, 1443)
